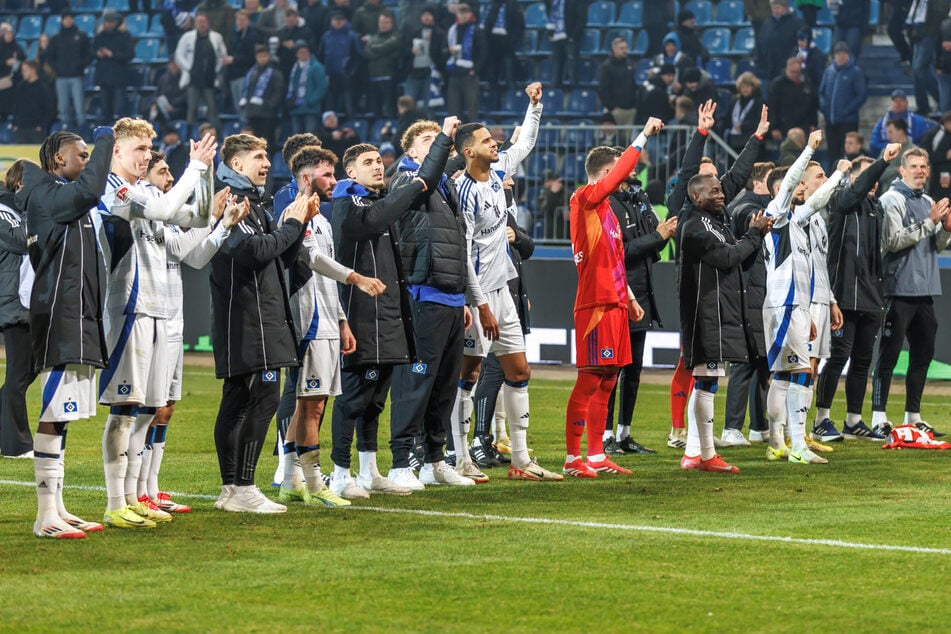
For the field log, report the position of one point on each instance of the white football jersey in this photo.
(819, 237)
(194, 248)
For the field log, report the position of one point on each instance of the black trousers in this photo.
(853, 343)
(749, 383)
(358, 409)
(15, 437)
(835, 138)
(491, 378)
(628, 382)
(423, 393)
(248, 403)
(288, 403)
(912, 318)
(896, 28)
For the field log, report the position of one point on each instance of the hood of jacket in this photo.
(902, 188)
(7, 198)
(348, 187)
(237, 181)
(671, 37)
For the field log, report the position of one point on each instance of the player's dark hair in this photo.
(295, 142)
(898, 124)
(859, 161)
(465, 134)
(240, 144)
(697, 181)
(599, 157)
(156, 157)
(311, 156)
(759, 173)
(352, 153)
(776, 176)
(51, 147)
(15, 174)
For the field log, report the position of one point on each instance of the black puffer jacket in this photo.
(432, 232)
(754, 268)
(366, 241)
(642, 246)
(66, 303)
(113, 71)
(712, 303)
(855, 230)
(252, 326)
(12, 250)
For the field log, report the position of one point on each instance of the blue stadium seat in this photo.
(86, 22)
(588, 71)
(719, 70)
(279, 169)
(591, 42)
(230, 127)
(631, 14)
(601, 13)
(53, 25)
(87, 6)
(822, 38)
(825, 17)
(544, 72)
(155, 26)
(554, 99)
(359, 126)
(182, 128)
(6, 133)
(572, 170)
(538, 162)
(730, 13)
(641, 68)
(582, 102)
(514, 101)
(119, 5)
(549, 136)
(89, 82)
(742, 66)
(147, 50)
(488, 101)
(717, 40)
(376, 132)
(611, 34)
(535, 16)
(640, 44)
(31, 50)
(702, 9)
(137, 24)
(529, 44)
(743, 41)
(30, 27)
(580, 138)
(544, 44)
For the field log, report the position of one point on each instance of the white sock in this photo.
(912, 418)
(461, 413)
(607, 435)
(60, 507)
(279, 471)
(852, 419)
(822, 413)
(136, 448)
(623, 431)
(569, 458)
(598, 457)
(142, 486)
(293, 474)
(341, 472)
(516, 407)
(703, 413)
(776, 412)
(693, 432)
(878, 418)
(368, 467)
(155, 464)
(310, 463)
(46, 469)
(797, 406)
(115, 457)
(499, 416)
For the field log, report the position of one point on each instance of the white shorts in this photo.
(787, 337)
(821, 346)
(319, 374)
(173, 369)
(69, 393)
(511, 339)
(137, 371)
(709, 370)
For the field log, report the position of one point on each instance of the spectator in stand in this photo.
(925, 19)
(504, 25)
(177, 19)
(617, 84)
(658, 16)
(12, 56)
(253, 7)
(813, 60)
(775, 40)
(897, 130)
(220, 15)
(316, 15)
(553, 206)
(567, 20)
(810, 11)
(851, 22)
(854, 146)
(917, 125)
(690, 42)
(42, 56)
(896, 30)
(467, 54)
(240, 57)
(937, 142)
(671, 54)
(306, 88)
(200, 54)
(262, 95)
(339, 51)
(409, 113)
(366, 19)
(343, 6)
(943, 66)
(841, 94)
(673, 143)
(289, 35)
(428, 50)
(113, 50)
(335, 138)
(698, 86)
(273, 18)
(758, 11)
(34, 107)
(382, 54)
(169, 102)
(655, 100)
(791, 148)
(744, 111)
(70, 52)
(176, 152)
(792, 102)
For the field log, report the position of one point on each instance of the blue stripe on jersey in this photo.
(49, 391)
(312, 331)
(117, 352)
(134, 295)
(464, 190)
(478, 253)
(777, 346)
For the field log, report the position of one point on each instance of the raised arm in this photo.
(71, 201)
(820, 198)
(690, 165)
(778, 207)
(510, 159)
(734, 181)
(364, 221)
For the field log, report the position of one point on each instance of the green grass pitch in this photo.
(660, 551)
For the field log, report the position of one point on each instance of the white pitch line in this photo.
(668, 530)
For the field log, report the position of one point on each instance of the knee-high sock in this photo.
(703, 412)
(693, 432)
(499, 416)
(115, 456)
(136, 448)
(461, 413)
(142, 486)
(798, 399)
(576, 414)
(776, 411)
(515, 394)
(310, 464)
(47, 469)
(155, 465)
(60, 506)
(597, 417)
(292, 465)
(681, 386)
